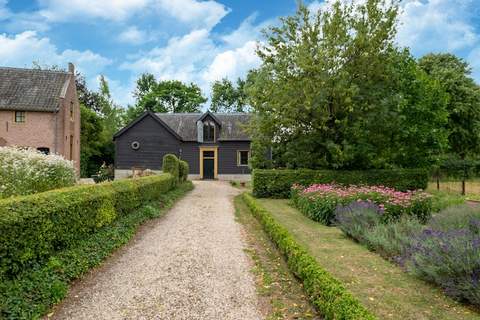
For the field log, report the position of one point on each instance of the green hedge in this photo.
(33, 227)
(327, 294)
(31, 293)
(171, 165)
(277, 183)
(183, 170)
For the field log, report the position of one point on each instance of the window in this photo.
(208, 131)
(19, 116)
(71, 147)
(71, 111)
(44, 150)
(242, 157)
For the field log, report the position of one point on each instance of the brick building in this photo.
(40, 109)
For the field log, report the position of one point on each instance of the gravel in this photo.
(189, 264)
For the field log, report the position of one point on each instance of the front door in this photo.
(208, 168)
(208, 158)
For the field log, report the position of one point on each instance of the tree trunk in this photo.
(438, 182)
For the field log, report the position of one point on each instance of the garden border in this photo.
(326, 292)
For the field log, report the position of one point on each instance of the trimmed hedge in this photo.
(183, 170)
(171, 165)
(35, 226)
(276, 183)
(31, 293)
(327, 294)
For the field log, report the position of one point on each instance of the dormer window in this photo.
(208, 131)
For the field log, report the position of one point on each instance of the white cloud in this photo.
(233, 63)
(61, 10)
(22, 49)
(133, 35)
(436, 25)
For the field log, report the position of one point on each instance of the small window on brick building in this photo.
(44, 150)
(19, 116)
(71, 111)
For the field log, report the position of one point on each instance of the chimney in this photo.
(71, 68)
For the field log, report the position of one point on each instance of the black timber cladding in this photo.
(159, 134)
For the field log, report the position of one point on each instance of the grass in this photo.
(472, 188)
(281, 294)
(444, 199)
(385, 289)
(32, 293)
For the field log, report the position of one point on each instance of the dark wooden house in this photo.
(215, 145)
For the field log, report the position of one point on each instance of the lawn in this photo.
(382, 287)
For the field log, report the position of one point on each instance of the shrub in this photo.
(277, 183)
(171, 165)
(30, 294)
(327, 294)
(319, 201)
(33, 227)
(105, 173)
(27, 171)
(183, 170)
(358, 218)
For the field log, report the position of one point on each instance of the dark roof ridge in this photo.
(36, 70)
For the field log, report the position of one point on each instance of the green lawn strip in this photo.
(281, 294)
(33, 292)
(326, 293)
(381, 286)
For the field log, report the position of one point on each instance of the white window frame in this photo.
(239, 158)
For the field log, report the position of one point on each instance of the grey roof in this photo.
(233, 125)
(31, 90)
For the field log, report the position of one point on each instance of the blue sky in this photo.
(193, 40)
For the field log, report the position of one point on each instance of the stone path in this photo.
(189, 264)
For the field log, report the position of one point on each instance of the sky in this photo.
(194, 40)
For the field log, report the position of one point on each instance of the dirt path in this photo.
(188, 265)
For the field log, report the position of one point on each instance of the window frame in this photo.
(23, 117)
(72, 111)
(239, 158)
(209, 125)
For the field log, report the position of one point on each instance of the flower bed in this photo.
(319, 201)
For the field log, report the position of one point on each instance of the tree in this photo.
(226, 97)
(164, 96)
(454, 74)
(333, 91)
(92, 127)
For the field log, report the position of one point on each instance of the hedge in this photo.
(276, 183)
(171, 165)
(183, 170)
(31, 293)
(327, 294)
(35, 226)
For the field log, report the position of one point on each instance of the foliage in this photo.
(27, 171)
(334, 92)
(442, 200)
(101, 118)
(319, 201)
(356, 217)
(277, 183)
(105, 173)
(164, 96)
(227, 97)
(454, 74)
(448, 254)
(171, 165)
(327, 294)
(33, 227)
(32, 292)
(183, 170)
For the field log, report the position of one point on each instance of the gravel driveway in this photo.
(189, 264)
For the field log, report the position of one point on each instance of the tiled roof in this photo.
(233, 125)
(31, 90)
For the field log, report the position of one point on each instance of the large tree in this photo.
(165, 97)
(333, 91)
(228, 97)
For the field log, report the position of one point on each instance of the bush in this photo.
(31, 293)
(277, 183)
(327, 294)
(171, 165)
(105, 173)
(358, 218)
(33, 227)
(183, 170)
(319, 201)
(27, 171)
